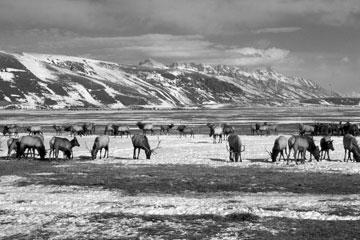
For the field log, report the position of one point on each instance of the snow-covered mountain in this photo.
(29, 80)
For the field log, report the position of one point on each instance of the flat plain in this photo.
(188, 190)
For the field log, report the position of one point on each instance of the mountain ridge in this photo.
(32, 80)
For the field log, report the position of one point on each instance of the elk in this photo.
(12, 145)
(351, 146)
(34, 130)
(89, 128)
(255, 128)
(228, 129)
(145, 127)
(273, 127)
(280, 145)
(291, 142)
(100, 142)
(181, 129)
(326, 144)
(122, 130)
(11, 130)
(31, 142)
(64, 145)
(164, 129)
(303, 144)
(142, 142)
(235, 148)
(58, 129)
(75, 130)
(264, 128)
(109, 129)
(306, 129)
(215, 131)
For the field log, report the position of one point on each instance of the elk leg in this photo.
(100, 152)
(345, 155)
(106, 152)
(138, 153)
(328, 153)
(134, 155)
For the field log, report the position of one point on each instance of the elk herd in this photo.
(298, 144)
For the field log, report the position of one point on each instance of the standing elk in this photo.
(62, 144)
(280, 145)
(11, 130)
(12, 145)
(34, 130)
(165, 129)
(351, 146)
(100, 142)
(326, 144)
(215, 131)
(306, 129)
(303, 144)
(58, 129)
(254, 128)
(228, 129)
(145, 127)
(109, 129)
(74, 130)
(122, 130)
(181, 129)
(142, 142)
(31, 142)
(89, 128)
(235, 148)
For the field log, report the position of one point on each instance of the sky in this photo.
(315, 39)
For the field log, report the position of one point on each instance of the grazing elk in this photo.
(74, 130)
(351, 146)
(30, 142)
(142, 142)
(62, 144)
(280, 145)
(145, 127)
(58, 129)
(165, 129)
(306, 129)
(100, 142)
(235, 148)
(215, 131)
(326, 144)
(303, 144)
(11, 130)
(122, 130)
(34, 130)
(89, 128)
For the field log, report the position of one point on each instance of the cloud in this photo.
(345, 60)
(278, 30)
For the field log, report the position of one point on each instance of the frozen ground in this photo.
(188, 190)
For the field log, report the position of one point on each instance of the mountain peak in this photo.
(149, 62)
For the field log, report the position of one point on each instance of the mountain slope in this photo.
(55, 81)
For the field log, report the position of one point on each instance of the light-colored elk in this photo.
(303, 144)
(34, 130)
(235, 148)
(146, 127)
(142, 142)
(215, 131)
(280, 145)
(303, 129)
(351, 146)
(100, 142)
(62, 144)
(31, 142)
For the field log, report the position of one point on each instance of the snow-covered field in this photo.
(188, 190)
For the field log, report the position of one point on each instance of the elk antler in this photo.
(157, 147)
(268, 152)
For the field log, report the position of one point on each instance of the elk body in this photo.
(75, 130)
(146, 127)
(351, 146)
(109, 130)
(12, 145)
(142, 142)
(34, 130)
(11, 130)
(58, 129)
(254, 128)
(306, 129)
(100, 142)
(215, 131)
(165, 129)
(280, 145)
(62, 144)
(303, 144)
(235, 148)
(227, 129)
(89, 128)
(122, 130)
(30, 142)
(326, 144)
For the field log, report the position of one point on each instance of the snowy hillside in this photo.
(29, 80)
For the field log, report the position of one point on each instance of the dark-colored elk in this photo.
(30, 142)
(109, 129)
(34, 130)
(12, 145)
(58, 129)
(273, 128)
(122, 130)
(181, 129)
(62, 144)
(280, 145)
(142, 142)
(303, 129)
(146, 127)
(89, 128)
(11, 130)
(235, 148)
(303, 144)
(254, 128)
(326, 144)
(351, 146)
(100, 142)
(165, 129)
(215, 131)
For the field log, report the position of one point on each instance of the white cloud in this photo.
(278, 30)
